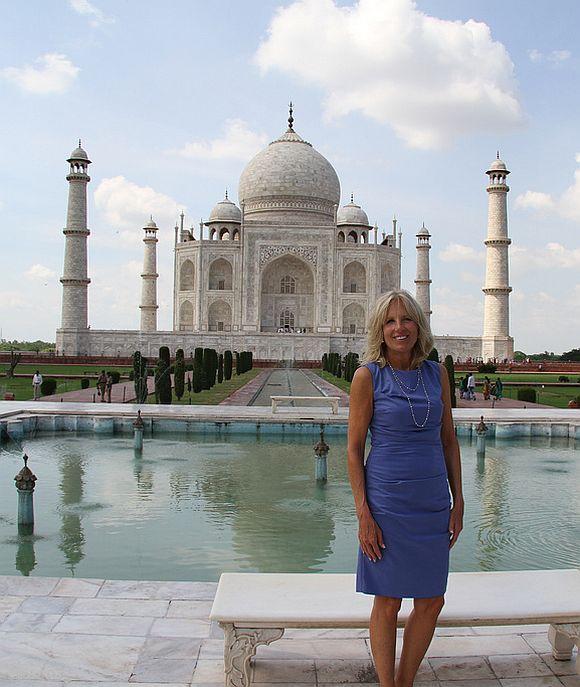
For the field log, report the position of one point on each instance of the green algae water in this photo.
(192, 507)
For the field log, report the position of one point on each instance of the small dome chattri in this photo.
(498, 165)
(78, 153)
(352, 214)
(151, 224)
(423, 231)
(226, 211)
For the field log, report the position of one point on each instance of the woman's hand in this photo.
(370, 537)
(455, 522)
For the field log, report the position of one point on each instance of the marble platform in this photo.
(113, 633)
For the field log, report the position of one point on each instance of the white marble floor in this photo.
(111, 633)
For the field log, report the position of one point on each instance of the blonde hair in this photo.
(376, 348)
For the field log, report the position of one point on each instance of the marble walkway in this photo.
(111, 633)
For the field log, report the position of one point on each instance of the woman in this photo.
(406, 524)
(486, 389)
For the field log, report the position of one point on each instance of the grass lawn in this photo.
(21, 387)
(48, 370)
(212, 397)
(537, 377)
(557, 397)
(340, 383)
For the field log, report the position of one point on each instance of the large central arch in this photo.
(287, 284)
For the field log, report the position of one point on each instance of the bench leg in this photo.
(240, 646)
(563, 638)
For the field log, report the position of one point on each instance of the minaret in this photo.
(423, 280)
(149, 275)
(496, 341)
(74, 279)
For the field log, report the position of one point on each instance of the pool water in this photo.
(193, 507)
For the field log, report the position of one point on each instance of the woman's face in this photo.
(400, 332)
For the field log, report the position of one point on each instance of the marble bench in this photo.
(255, 608)
(332, 400)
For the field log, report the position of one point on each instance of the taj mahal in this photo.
(288, 273)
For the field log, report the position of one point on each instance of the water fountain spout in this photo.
(25, 483)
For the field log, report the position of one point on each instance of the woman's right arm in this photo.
(359, 418)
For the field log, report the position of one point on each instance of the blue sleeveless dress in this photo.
(407, 489)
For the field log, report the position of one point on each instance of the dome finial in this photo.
(497, 155)
(80, 146)
(226, 192)
(352, 197)
(290, 118)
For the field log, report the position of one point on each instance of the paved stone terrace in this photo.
(97, 633)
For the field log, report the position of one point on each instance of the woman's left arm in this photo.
(452, 460)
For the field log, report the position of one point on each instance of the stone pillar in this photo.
(74, 280)
(423, 280)
(496, 341)
(149, 276)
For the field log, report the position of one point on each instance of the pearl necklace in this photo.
(402, 386)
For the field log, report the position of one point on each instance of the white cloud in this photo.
(456, 252)
(535, 200)
(555, 57)
(127, 207)
(567, 205)
(40, 272)
(96, 16)
(238, 142)
(549, 257)
(51, 73)
(430, 79)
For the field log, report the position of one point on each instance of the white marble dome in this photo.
(497, 166)
(225, 211)
(289, 176)
(78, 154)
(352, 214)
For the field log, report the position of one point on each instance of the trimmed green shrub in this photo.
(527, 394)
(220, 373)
(85, 383)
(198, 355)
(564, 379)
(434, 355)
(207, 368)
(140, 374)
(163, 377)
(237, 363)
(228, 359)
(115, 375)
(450, 367)
(48, 386)
(487, 368)
(179, 372)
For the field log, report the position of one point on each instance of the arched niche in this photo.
(353, 319)
(387, 283)
(297, 277)
(186, 316)
(224, 234)
(220, 275)
(354, 278)
(219, 317)
(186, 276)
(352, 237)
(340, 237)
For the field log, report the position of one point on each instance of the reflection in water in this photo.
(194, 507)
(25, 555)
(71, 485)
(492, 484)
(278, 514)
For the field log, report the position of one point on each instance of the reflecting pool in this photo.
(192, 507)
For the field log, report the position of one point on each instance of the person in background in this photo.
(486, 389)
(36, 384)
(471, 387)
(463, 387)
(498, 389)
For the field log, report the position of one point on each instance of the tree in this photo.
(207, 368)
(163, 377)
(14, 360)
(179, 373)
(220, 371)
(434, 355)
(571, 356)
(228, 365)
(140, 377)
(450, 367)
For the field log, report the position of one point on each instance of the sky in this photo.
(409, 101)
